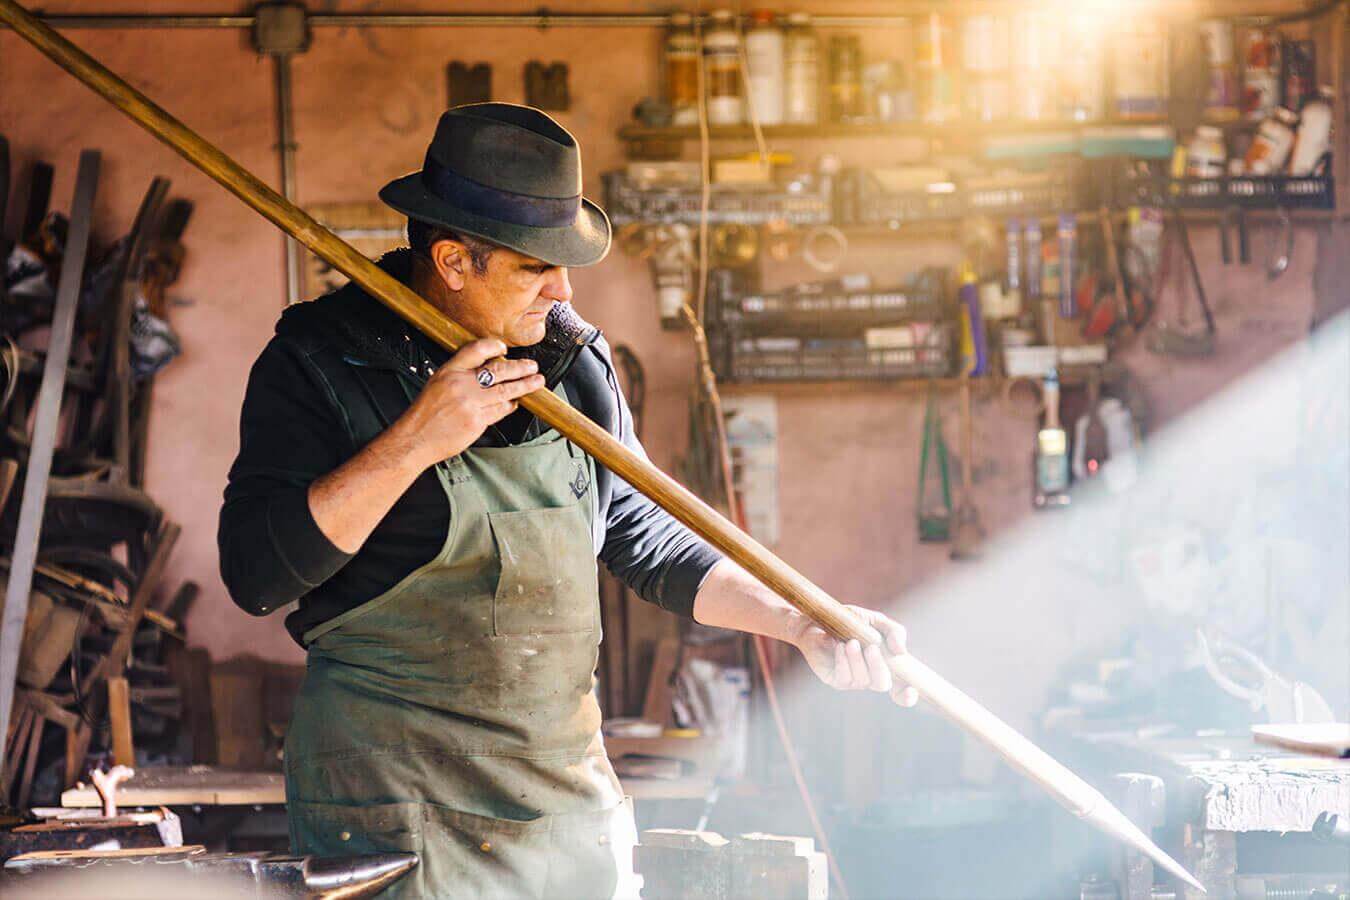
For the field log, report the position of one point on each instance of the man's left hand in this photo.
(848, 665)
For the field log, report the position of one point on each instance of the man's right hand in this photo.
(451, 413)
(454, 410)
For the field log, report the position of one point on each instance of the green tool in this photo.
(935, 522)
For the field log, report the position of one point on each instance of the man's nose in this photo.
(558, 287)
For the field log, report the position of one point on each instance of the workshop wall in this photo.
(366, 102)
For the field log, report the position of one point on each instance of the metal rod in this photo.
(46, 420)
(1066, 787)
(281, 69)
(907, 10)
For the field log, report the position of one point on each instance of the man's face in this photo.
(510, 301)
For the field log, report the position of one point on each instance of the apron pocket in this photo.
(548, 581)
(338, 829)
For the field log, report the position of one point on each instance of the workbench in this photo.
(1209, 789)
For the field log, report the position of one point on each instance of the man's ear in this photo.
(451, 259)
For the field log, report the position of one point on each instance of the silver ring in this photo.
(485, 377)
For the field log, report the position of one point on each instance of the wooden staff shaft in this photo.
(1066, 787)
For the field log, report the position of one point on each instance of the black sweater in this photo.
(322, 388)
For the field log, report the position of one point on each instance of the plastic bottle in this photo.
(1206, 156)
(722, 70)
(801, 51)
(764, 61)
(1270, 148)
(1314, 134)
(681, 69)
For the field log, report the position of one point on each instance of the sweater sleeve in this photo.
(645, 546)
(272, 552)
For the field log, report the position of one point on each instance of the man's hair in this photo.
(422, 235)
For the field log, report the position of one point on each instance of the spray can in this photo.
(1031, 236)
(974, 344)
(1013, 241)
(1068, 247)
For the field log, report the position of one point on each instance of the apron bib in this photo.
(454, 715)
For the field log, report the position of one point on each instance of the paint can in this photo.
(1139, 70)
(722, 70)
(1221, 99)
(681, 69)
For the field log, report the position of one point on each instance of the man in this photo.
(442, 544)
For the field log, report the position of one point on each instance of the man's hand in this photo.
(451, 413)
(847, 665)
(453, 409)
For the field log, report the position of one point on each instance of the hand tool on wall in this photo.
(1174, 341)
(1281, 248)
(1077, 795)
(967, 532)
(934, 517)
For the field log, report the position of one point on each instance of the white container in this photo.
(1206, 156)
(801, 54)
(722, 70)
(764, 59)
(1314, 134)
(1272, 143)
(1028, 362)
(1139, 70)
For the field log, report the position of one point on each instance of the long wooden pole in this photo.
(1066, 787)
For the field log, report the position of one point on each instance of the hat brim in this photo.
(583, 243)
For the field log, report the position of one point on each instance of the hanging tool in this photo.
(1074, 793)
(934, 520)
(967, 532)
(1173, 341)
(1281, 248)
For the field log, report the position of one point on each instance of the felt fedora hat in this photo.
(511, 175)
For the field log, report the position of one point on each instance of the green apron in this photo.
(454, 716)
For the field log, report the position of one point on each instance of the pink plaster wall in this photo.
(366, 102)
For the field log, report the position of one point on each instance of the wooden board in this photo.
(1328, 739)
(188, 786)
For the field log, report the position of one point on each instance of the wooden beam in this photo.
(119, 718)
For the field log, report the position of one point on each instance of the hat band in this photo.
(504, 206)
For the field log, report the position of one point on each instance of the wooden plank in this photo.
(188, 786)
(47, 707)
(158, 853)
(46, 423)
(1328, 739)
(119, 718)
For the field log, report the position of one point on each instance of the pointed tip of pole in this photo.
(1117, 824)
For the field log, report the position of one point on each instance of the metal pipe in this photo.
(544, 19)
(281, 70)
(1067, 788)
